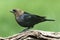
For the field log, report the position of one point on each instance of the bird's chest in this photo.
(23, 20)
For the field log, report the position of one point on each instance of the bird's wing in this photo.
(36, 19)
(27, 17)
(31, 18)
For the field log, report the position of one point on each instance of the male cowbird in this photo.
(28, 20)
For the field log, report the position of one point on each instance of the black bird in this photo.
(28, 20)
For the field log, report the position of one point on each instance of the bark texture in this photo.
(34, 35)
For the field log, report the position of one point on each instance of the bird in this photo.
(28, 20)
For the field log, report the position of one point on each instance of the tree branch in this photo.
(34, 35)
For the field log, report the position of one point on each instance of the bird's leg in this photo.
(26, 29)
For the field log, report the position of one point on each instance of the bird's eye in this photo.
(14, 10)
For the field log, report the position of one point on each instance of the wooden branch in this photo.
(34, 35)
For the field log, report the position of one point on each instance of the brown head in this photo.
(17, 12)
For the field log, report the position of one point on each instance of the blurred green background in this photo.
(48, 8)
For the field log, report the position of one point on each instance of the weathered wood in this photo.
(34, 35)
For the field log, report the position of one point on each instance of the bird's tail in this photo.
(49, 20)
